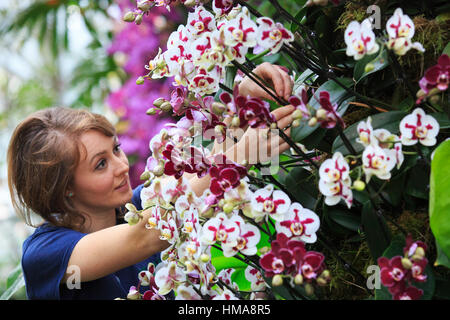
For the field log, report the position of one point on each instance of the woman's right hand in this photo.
(261, 145)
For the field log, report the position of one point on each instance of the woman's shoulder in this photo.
(49, 240)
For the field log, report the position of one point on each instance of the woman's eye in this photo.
(117, 148)
(101, 164)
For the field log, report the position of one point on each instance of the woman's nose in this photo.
(121, 165)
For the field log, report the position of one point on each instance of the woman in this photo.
(67, 166)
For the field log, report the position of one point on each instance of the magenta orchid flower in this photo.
(331, 117)
(436, 77)
(280, 259)
(393, 274)
(300, 102)
(222, 7)
(410, 293)
(255, 113)
(419, 127)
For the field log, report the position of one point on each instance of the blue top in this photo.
(45, 257)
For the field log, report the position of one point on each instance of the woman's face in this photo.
(101, 180)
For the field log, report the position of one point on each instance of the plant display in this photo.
(367, 148)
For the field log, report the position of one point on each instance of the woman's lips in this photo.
(123, 186)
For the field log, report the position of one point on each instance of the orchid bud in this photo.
(221, 203)
(189, 3)
(166, 106)
(273, 125)
(140, 80)
(244, 162)
(158, 170)
(235, 122)
(421, 94)
(312, 122)
(321, 114)
(326, 275)
(435, 99)
(205, 258)
(145, 175)
(129, 16)
(228, 208)
(143, 5)
(147, 183)
(158, 102)
(151, 111)
(321, 282)
(189, 266)
(297, 114)
(309, 289)
(207, 213)
(296, 123)
(277, 280)
(369, 67)
(138, 19)
(219, 129)
(218, 108)
(132, 218)
(406, 263)
(133, 294)
(359, 185)
(130, 207)
(252, 173)
(264, 250)
(419, 254)
(298, 280)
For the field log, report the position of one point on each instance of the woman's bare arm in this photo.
(106, 251)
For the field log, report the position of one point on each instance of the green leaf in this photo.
(345, 218)
(440, 196)
(337, 93)
(417, 182)
(442, 259)
(299, 17)
(447, 49)
(375, 228)
(386, 120)
(14, 283)
(238, 277)
(370, 64)
(299, 182)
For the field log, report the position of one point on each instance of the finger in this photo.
(288, 82)
(284, 122)
(282, 112)
(272, 73)
(283, 147)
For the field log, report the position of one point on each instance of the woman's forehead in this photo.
(94, 142)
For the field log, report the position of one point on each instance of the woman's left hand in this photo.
(274, 75)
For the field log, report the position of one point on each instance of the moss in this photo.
(434, 36)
